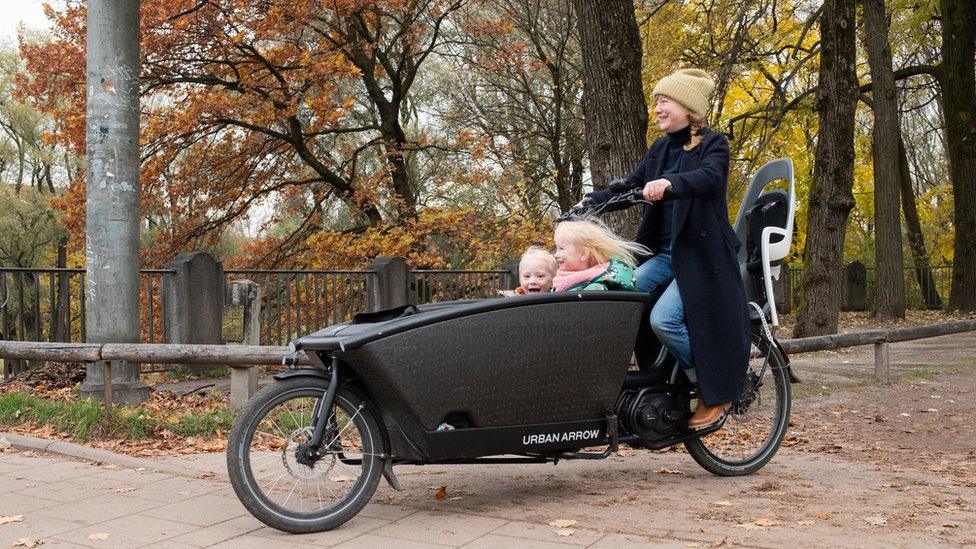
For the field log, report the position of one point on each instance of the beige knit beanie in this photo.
(690, 87)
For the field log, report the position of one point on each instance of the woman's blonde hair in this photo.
(697, 123)
(595, 237)
(536, 252)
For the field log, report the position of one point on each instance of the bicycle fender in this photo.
(303, 372)
(789, 369)
(391, 478)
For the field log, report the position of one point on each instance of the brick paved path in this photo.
(825, 502)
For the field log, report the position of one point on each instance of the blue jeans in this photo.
(667, 312)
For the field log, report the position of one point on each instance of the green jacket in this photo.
(618, 276)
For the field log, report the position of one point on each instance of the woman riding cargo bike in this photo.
(544, 377)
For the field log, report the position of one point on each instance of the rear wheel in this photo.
(757, 422)
(295, 495)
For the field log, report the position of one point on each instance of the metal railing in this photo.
(295, 303)
(49, 304)
(428, 286)
(940, 283)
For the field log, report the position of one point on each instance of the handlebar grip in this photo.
(618, 186)
(668, 195)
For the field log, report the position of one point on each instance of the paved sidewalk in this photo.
(638, 500)
(68, 503)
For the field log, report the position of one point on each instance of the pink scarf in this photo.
(565, 280)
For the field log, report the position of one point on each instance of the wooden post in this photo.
(107, 384)
(882, 369)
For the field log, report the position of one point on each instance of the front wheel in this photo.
(295, 495)
(757, 422)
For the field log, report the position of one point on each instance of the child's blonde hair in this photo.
(536, 252)
(595, 237)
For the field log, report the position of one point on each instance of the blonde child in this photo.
(591, 257)
(537, 267)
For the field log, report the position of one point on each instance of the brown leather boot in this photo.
(707, 416)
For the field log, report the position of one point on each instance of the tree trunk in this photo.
(913, 227)
(959, 94)
(613, 96)
(831, 198)
(396, 160)
(889, 301)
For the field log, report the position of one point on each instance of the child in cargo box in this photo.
(536, 269)
(592, 257)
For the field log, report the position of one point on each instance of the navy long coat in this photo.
(703, 258)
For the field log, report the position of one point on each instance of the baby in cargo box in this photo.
(536, 269)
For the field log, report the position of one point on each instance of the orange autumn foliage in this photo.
(290, 106)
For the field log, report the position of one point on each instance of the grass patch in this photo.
(809, 389)
(812, 388)
(195, 424)
(86, 419)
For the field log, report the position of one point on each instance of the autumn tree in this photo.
(831, 199)
(959, 96)
(26, 156)
(889, 300)
(613, 97)
(248, 102)
(515, 86)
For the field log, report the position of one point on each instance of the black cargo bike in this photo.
(534, 379)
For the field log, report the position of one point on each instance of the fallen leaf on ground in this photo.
(823, 516)
(950, 525)
(766, 521)
(97, 536)
(563, 523)
(14, 518)
(123, 489)
(27, 542)
(4, 443)
(722, 503)
(876, 520)
(565, 532)
(441, 494)
(666, 471)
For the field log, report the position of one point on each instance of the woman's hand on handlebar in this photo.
(654, 190)
(585, 203)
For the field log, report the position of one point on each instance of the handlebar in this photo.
(623, 197)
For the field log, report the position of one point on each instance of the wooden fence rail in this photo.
(240, 358)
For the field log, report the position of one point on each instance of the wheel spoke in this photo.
(293, 488)
(754, 429)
